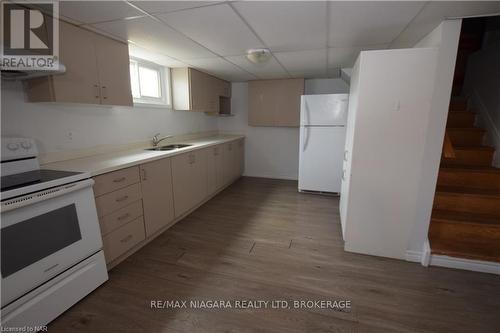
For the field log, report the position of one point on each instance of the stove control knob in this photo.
(13, 146)
(26, 145)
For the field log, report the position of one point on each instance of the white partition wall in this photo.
(391, 101)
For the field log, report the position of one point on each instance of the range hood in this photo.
(9, 74)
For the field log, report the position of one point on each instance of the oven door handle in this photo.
(55, 192)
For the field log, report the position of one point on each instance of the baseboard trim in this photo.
(465, 264)
(270, 176)
(414, 256)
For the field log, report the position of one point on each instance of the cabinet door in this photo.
(219, 166)
(215, 173)
(114, 71)
(211, 170)
(287, 102)
(80, 82)
(189, 175)
(275, 102)
(199, 92)
(156, 181)
(261, 103)
(229, 166)
(240, 157)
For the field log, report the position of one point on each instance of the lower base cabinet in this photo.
(189, 177)
(123, 239)
(233, 156)
(157, 196)
(135, 203)
(215, 172)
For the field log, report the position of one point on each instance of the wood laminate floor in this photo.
(261, 240)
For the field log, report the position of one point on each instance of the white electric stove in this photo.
(51, 245)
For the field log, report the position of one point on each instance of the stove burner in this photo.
(32, 177)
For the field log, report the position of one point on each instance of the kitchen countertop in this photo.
(103, 163)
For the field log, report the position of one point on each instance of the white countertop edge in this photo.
(91, 166)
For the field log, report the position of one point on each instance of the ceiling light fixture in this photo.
(258, 56)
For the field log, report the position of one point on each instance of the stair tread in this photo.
(463, 111)
(469, 249)
(462, 217)
(467, 190)
(472, 129)
(485, 148)
(470, 168)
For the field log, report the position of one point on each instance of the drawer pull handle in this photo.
(126, 239)
(123, 217)
(125, 197)
(119, 180)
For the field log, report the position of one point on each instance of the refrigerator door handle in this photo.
(305, 132)
(308, 112)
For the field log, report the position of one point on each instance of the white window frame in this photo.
(165, 100)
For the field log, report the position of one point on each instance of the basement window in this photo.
(150, 83)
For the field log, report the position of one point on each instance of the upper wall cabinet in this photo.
(275, 102)
(97, 71)
(197, 91)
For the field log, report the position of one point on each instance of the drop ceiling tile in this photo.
(268, 70)
(287, 25)
(303, 61)
(340, 57)
(221, 68)
(157, 58)
(88, 12)
(217, 27)
(435, 12)
(155, 36)
(368, 23)
(153, 7)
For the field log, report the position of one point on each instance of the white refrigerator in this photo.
(322, 142)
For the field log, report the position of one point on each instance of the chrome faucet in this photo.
(157, 139)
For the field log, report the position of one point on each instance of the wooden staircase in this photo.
(466, 215)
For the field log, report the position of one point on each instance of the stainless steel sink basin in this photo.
(169, 147)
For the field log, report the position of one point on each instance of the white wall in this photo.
(482, 84)
(445, 38)
(391, 118)
(326, 86)
(90, 125)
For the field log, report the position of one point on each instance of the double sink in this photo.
(169, 147)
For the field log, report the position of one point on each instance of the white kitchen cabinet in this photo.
(189, 176)
(157, 194)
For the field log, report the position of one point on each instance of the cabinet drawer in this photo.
(108, 203)
(123, 239)
(121, 217)
(115, 180)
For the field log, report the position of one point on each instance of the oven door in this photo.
(44, 234)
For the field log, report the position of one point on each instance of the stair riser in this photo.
(479, 180)
(458, 105)
(460, 231)
(466, 138)
(471, 158)
(467, 203)
(461, 119)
